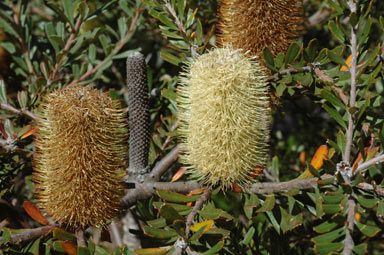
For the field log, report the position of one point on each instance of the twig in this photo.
(352, 100)
(114, 52)
(177, 21)
(369, 187)
(30, 234)
(348, 241)
(66, 47)
(164, 164)
(12, 109)
(369, 163)
(198, 205)
(288, 71)
(147, 189)
(115, 234)
(80, 237)
(267, 187)
(319, 17)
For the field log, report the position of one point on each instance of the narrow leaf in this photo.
(35, 214)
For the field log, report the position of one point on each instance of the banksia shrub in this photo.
(252, 25)
(80, 157)
(224, 117)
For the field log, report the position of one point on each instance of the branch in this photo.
(348, 241)
(369, 163)
(369, 187)
(352, 100)
(148, 189)
(177, 21)
(267, 187)
(115, 234)
(66, 47)
(288, 71)
(12, 109)
(164, 164)
(79, 233)
(198, 205)
(319, 17)
(114, 52)
(30, 234)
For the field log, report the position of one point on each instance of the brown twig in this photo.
(348, 241)
(319, 17)
(30, 234)
(164, 164)
(12, 109)
(369, 187)
(147, 189)
(177, 21)
(114, 52)
(369, 163)
(198, 205)
(80, 237)
(288, 71)
(66, 47)
(115, 234)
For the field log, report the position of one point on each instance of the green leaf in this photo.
(6, 235)
(381, 21)
(82, 251)
(335, 115)
(248, 236)
(164, 19)
(68, 10)
(353, 19)
(336, 58)
(325, 227)
(330, 236)
(336, 7)
(331, 208)
(380, 208)
(3, 92)
(152, 251)
(328, 248)
(159, 233)
(331, 98)
(292, 53)
(367, 202)
(311, 50)
(63, 235)
(368, 230)
(268, 57)
(170, 214)
(360, 249)
(268, 204)
(181, 8)
(158, 223)
(209, 212)
(169, 94)
(336, 31)
(169, 57)
(176, 197)
(216, 248)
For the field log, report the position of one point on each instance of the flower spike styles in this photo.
(224, 117)
(80, 157)
(252, 25)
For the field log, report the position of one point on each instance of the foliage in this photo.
(56, 43)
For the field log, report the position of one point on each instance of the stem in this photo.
(369, 163)
(348, 241)
(114, 52)
(10, 108)
(198, 205)
(30, 234)
(80, 237)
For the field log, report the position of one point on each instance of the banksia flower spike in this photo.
(80, 157)
(252, 25)
(224, 117)
(138, 105)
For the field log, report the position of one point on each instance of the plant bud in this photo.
(80, 157)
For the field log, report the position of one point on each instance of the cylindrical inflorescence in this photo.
(224, 117)
(139, 134)
(252, 25)
(80, 157)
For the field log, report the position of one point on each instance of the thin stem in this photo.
(67, 46)
(348, 241)
(164, 164)
(369, 163)
(288, 71)
(80, 237)
(12, 109)
(352, 100)
(114, 52)
(198, 205)
(115, 234)
(30, 234)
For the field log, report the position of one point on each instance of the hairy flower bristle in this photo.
(224, 117)
(253, 25)
(80, 157)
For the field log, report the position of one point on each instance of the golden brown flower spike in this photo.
(224, 117)
(80, 157)
(252, 25)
